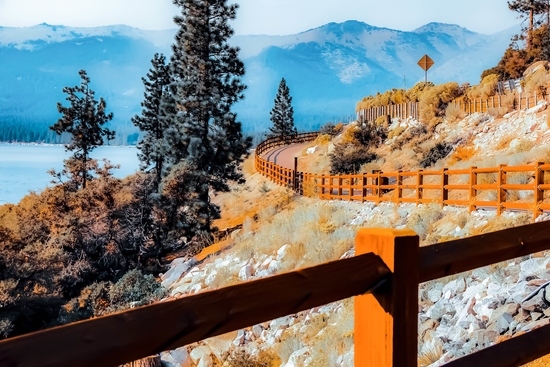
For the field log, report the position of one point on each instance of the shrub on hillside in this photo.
(346, 159)
(437, 152)
(538, 82)
(434, 101)
(370, 134)
(418, 133)
(487, 88)
(330, 129)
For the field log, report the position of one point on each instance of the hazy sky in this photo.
(266, 16)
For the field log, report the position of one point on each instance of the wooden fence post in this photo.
(501, 193)
(364, 189)
(473, 192)
(444, 182)
(294, 175)
(386, 321)
(419, 183)
(538, 194)
(399, 189)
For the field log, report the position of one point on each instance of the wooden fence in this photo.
(446, 187)
(384, 275)
(402, 110)
(514, 102)
(411, 109)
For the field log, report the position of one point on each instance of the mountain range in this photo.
(328, 69)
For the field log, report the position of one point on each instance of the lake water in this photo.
(23, 168)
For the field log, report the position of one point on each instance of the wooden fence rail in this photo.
(460, 187)
(138, 333)
(516, 102)
(384, 276)
(411, 109)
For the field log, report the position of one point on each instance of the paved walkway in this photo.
(284, 156)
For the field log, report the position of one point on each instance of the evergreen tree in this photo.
(530, 8)
(153, 147)
(282, 114)
(205, 83)
(83, 120)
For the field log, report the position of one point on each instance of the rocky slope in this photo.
(457, 315)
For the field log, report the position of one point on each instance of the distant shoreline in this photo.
(59, 145)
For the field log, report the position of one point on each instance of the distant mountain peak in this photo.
(435, 27)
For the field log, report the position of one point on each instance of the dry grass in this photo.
(497, 112)
(462, 153)
(485, 89)
(453, 113)
(430, 355)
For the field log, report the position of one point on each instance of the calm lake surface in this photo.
(23, 168)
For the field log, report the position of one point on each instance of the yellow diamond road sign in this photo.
(425, 62)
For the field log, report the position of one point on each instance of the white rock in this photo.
(311, 150)
(206, 361)
(239, 340)
(257, 330)
(246, 272)
(297, 358)
(174, 274)
(434, 294)
(199, 352)
(282, 252)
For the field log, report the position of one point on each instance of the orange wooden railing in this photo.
(447, 186)
(385, 274)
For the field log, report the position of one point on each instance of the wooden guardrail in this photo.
(447, 187)
(385, 273)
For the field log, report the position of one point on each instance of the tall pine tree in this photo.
(206, 82)
(282, 114)
(153, 147)
(83, 119)
(530, 8)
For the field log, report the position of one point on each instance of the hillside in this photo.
(325, 68)
(457, 315)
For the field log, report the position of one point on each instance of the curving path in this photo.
(284, 156)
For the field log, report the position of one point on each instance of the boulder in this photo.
(174, 274)
(537, 303)
(246, 272)
(199, 352)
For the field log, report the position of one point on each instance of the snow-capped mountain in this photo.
(328, 69)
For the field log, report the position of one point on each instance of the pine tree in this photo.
(83, 120)
(282, 114)
(532, 8)
(153, 147)
(205, 83)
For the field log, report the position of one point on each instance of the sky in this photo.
(273, 17)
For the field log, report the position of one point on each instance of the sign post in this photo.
(425, 63)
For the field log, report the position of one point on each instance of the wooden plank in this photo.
(519, 169)
(457, 187)
(522, 206)
(454, 257)
(513, 352)
(519, 187)
(138, 333)
(386, 322)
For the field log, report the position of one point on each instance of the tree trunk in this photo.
(153, 361)
(530, 34)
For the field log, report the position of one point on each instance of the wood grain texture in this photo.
(510, 353)
(386, 322)
(131, 335)
(454, 257)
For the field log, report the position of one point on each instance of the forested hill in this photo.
(327, 69)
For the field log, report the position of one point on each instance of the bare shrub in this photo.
(438, 151)
(497, 112)
(453, 112)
